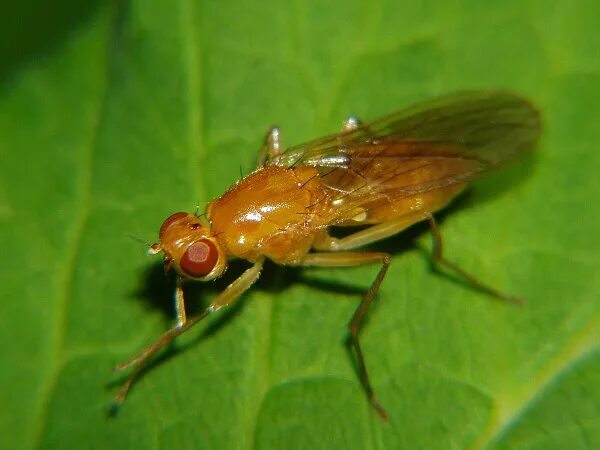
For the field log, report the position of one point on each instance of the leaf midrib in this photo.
(79, 220)
(570, 354)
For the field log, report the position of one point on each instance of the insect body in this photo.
(387, 175)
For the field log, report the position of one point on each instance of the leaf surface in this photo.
(122, 113)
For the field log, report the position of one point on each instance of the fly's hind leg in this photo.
(271, 146)
(374, 233)
(345, 259)
(439, 258)
(272, 143)
(351, 123)
(386, 229)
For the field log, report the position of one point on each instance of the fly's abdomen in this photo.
(389, 180)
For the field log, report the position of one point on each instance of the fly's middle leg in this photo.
(271, 146)
(346, 259)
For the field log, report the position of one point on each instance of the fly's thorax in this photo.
(190, 248)
(273, 211)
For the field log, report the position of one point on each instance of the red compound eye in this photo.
(199, 259)
(167, 223)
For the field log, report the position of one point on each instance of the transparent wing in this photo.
(429, 146)
(489, 125)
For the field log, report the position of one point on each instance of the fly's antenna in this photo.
(153, 249)
(140, 240)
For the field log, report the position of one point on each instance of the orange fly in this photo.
(386, 175)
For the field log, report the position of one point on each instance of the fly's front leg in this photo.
(180, 303)
(439, 258)
(271, 146)
(345, 259)
(227, 297)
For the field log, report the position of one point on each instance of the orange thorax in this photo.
(273, 212)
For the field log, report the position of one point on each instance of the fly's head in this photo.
(190, 248)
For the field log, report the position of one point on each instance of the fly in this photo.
(384, 176)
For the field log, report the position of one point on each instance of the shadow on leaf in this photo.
(32, 29)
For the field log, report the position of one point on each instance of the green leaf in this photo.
(120, 113)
